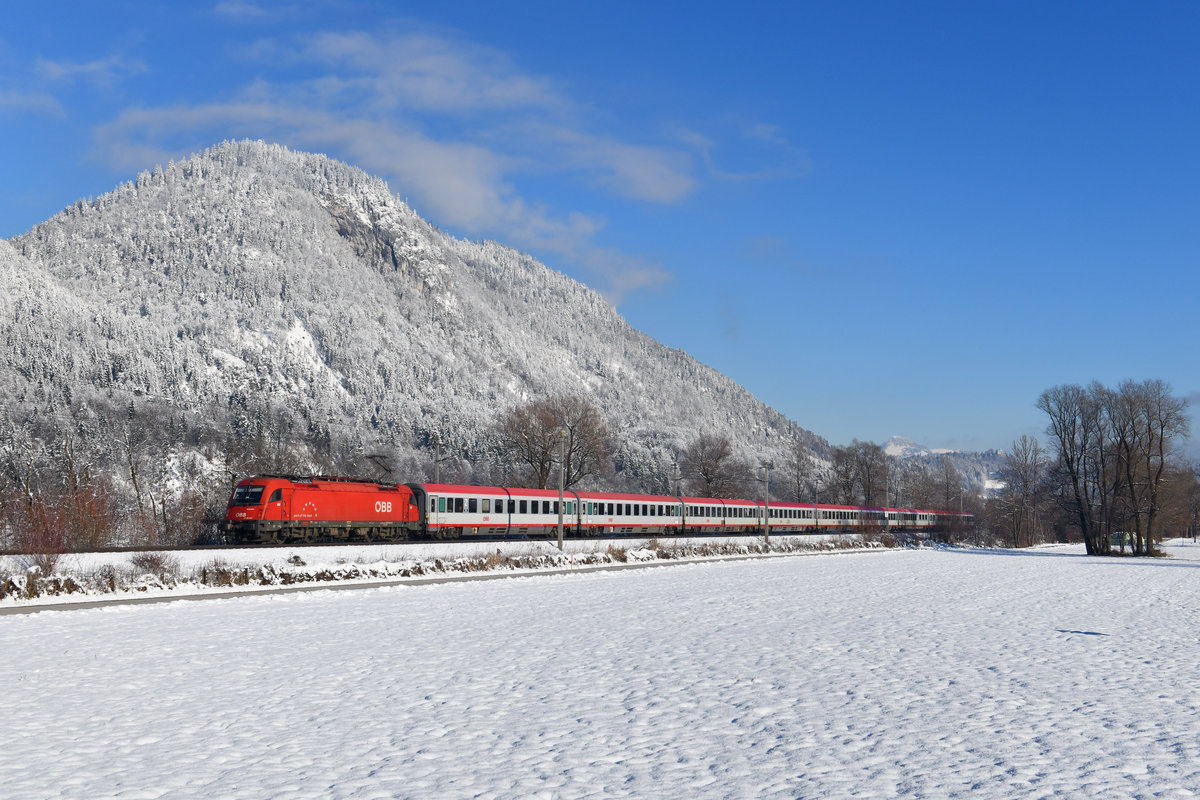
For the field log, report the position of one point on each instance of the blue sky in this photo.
(881, 218)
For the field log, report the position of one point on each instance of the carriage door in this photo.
(276, 506)
(434, 504)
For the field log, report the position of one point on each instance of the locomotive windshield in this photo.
(246, 495)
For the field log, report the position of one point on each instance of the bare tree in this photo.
(536, 433)
(586, 447)
(951, 485)
(1146, 422)
(1024, 476)
(1076, 428)
(1180, 499)
(800, 470)
(529, 433)
(918, 487)
(842, 477)
(712, 470)
(870, 471)
(1114, 451)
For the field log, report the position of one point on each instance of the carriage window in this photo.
(524, 506)
(487, 505)
(458, 505)
(472, 506)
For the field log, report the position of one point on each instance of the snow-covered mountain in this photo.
(899, 447)
(978, 469)
(256, 294)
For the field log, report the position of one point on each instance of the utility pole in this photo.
(767, 501)
(562, 465)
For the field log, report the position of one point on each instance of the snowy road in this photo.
(928, 673)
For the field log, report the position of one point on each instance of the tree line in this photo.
(1112, 473)
(568, 434)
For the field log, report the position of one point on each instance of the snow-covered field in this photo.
(919, 673)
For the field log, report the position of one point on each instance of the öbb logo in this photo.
(383, 507)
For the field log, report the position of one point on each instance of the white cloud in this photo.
(642, 172)
(382, 101)
(240, 11)
(457, 184)
(434, 73)
(100, 72)
(779, 157)
(35, 102)
(625, 274)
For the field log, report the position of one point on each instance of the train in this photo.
(276, 509)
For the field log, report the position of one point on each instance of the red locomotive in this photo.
(294, 509)
(277, 509)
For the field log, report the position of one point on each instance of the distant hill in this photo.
(253, 295)
(978, 469)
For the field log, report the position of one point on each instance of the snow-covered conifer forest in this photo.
(256, 309)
